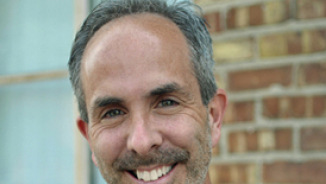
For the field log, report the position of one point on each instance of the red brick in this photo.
(232, 173)
(313, 41)
(271, 107)
(206, 2)
(313, 138)
(318, 40)
(273, 45)
(297, 107)
(233, 142)
(283, 139)
(312, 172)
(259, 14)
(308, 9)
(252, 141)
(243, 141)
(240, 142)
(224, 173)
(257, 79)
(294, 107)
(213, 20)
(238, 17)
(276, 11)
(294, 43)
(313, 74)
(234, 50)
(283, 44)
(231, 16)
(256, 15)
(266, 140)
(239, 112)
(319, 106)
(244, 111)
(281, 108)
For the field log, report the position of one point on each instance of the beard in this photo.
(196, 162)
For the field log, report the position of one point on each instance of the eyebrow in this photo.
(105, 101)
(167, 88)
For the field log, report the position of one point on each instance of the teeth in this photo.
(163, 170)
(140, 174)
(146, 176)
(159, 172)
(153, 174)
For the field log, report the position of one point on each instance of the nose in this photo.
(143, 136)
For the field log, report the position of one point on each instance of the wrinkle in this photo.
(97, 129)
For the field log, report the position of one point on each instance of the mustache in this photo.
(160, 156)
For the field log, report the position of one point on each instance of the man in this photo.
(149, 105)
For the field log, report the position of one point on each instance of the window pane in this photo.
(35, 35)
(36, 133)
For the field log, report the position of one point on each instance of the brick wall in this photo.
(271, 59)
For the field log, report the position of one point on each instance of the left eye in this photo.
(167, 103)
(113, 113)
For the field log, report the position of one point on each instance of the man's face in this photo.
(146, 117)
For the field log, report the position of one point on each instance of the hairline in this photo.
(196, 57)
(189, 48)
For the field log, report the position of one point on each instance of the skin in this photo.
(144, 104)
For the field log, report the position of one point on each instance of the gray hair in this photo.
(182, 14)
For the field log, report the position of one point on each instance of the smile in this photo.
(152, 175)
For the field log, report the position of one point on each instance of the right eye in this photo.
(113, 113)
(167, 103)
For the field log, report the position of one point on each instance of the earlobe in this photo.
(217, 108)
(83, 127)
(94, 159)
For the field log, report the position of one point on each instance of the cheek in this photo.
(181, 131)
(108, 145)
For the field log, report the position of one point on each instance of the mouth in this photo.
(152, 175)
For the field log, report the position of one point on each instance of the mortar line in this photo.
(262, 63)
(224, 143)
(269, 157)
(259, 110)
(283, 27)
(276, 124)
(276, 91)
(293, 9)
(259, 173)
(209, 7)
(296, 140)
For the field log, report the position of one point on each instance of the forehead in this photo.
(135, 33)
(126, 48)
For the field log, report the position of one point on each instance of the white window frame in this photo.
(82, 172)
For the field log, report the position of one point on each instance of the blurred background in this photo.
(271, 60)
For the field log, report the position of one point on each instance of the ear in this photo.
(217, 107)
(83, 128)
